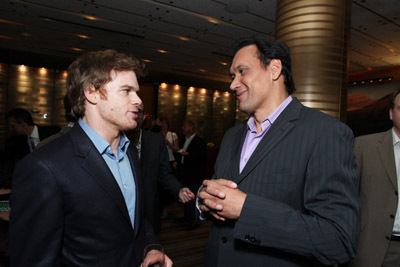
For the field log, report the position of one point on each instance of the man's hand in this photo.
(156, 258)
(221, 199)
(185, 195)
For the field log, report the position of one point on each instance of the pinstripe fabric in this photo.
(302, 203)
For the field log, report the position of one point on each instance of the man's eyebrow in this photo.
(129, 87)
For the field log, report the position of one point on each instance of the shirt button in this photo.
(391, 216)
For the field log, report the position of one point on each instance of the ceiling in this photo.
(188, 39)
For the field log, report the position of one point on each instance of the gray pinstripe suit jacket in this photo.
(302, 204)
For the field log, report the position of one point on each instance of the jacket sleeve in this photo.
(167, 179)
(36, 219)
(328, 226)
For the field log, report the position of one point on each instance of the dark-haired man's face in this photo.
(15, 128)
(395, 115)
(250, 80)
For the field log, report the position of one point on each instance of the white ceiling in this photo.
(197, 35)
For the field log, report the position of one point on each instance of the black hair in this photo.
(269, 49)
(20, 115)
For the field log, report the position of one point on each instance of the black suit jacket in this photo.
(302, 201)
(67, 208)
(157, 173)
(194, 165)
(18, 147)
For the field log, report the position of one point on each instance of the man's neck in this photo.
(261, 114)
(110, 135)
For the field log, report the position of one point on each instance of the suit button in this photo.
(396, 193)
(253, 240)
(224, 239)
(387, 237)
(392, 216)
(247, 238)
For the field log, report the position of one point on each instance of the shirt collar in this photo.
(35, 132)
(270, 119)
(99, 142)
(190, 137)
(396, 139)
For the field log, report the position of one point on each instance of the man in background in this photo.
(284, 191)
(378, 158)
(192, 167)
(79, 200)
(156, 171)
(25, 134)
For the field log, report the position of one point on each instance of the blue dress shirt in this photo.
(118, 164)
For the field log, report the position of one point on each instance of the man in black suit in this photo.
(192, 167)
(25, 134)
(78, 201)
(285, 189)
(156, 171)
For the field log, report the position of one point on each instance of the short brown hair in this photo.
(94, 68)
(393, 98)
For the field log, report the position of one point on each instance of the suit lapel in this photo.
(134, 161)
(279, 129)
(385, 150)
(143, 150)
(95, 165)
(237, 150)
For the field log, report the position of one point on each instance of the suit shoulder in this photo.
(371, 137)
(312, 116)
(55, 147)
(152, 135)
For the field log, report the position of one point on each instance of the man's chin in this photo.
(131, 126)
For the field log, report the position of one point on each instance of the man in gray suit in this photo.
(378, 157)
(288, 196)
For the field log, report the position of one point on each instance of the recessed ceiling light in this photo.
(90, 17)
(76, 49)
(146, 60)
(183, 38)
(161, 51)
(82, 36)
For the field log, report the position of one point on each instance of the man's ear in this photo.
(391, 114)
(91, 94)
(276, 68)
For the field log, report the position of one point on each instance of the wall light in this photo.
(22, 68)
(163, 85)
(177, 87)
(203, 91)
(191, 89)
(42, 71)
